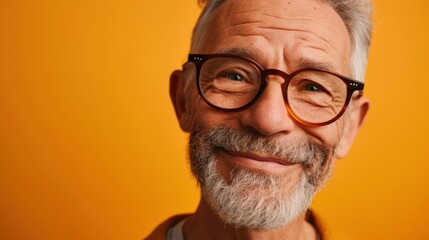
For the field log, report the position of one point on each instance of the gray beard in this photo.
(252, 199)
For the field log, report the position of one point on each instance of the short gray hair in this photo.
(356, 15)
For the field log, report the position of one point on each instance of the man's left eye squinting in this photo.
(235, 77)
(313, 88)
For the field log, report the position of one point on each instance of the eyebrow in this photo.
(241, 52)
(305, 63)
(324, 66)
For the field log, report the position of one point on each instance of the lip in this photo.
(255, 161)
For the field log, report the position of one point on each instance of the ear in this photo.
(357, 116)
(177, 95)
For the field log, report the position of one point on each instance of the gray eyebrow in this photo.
(324, 66)
(242, 52)
(306, 63)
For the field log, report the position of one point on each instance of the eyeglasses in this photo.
(312, 97)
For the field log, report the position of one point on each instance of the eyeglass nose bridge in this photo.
(266, 73)
(275, 72)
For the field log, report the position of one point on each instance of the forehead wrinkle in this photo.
(235, 16)
(242, 25)
(306, 30)
(299, 38)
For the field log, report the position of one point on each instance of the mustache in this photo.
(292, 150)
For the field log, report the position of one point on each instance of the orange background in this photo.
(90, 147)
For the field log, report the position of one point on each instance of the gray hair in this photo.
(356, 15)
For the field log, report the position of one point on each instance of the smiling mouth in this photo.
(254, 161)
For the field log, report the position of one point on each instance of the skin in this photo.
(281, 34)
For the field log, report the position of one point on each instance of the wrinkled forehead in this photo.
(235, 11)
(282, 22)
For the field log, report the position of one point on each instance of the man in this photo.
(269, 100)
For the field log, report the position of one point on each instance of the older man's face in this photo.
(264, 139)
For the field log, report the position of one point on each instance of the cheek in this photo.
(206, 118)
(329, 135)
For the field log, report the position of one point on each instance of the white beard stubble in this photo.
(250, 199)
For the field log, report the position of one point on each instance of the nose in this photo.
(268, 115)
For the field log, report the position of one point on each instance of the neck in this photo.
(205, 224)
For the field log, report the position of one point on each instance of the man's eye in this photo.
(233, 76)
(313, 87)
